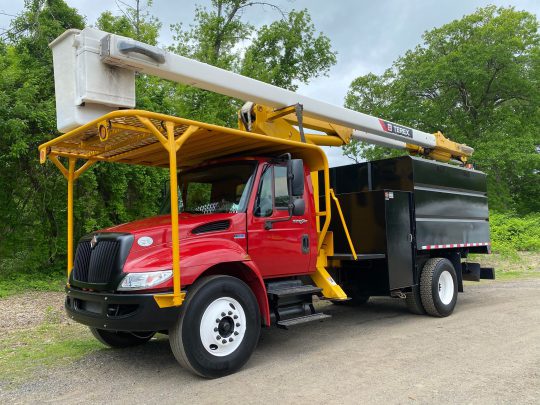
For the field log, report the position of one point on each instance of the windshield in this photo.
(222, 188)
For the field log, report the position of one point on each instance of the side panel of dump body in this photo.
(449, 202)
(448, 218)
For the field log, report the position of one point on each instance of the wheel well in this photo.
(248, 276)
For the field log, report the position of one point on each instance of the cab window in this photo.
(264, 202)
(281, 189)
(219, 188)
(273, 191)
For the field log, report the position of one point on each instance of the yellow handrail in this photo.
(353, 251)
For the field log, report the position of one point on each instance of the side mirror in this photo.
(299, 207)
(295, 172)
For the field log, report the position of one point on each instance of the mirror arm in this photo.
(268, 224)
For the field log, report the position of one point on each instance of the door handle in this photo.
(305, 244)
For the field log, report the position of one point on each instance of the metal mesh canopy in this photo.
(137, 137)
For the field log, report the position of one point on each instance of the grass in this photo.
(48, 345)
(509, 267)
(16, 283)
(52, 343)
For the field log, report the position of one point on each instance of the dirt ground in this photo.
(31, 309)
(487, 352)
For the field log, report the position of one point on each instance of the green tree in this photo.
(32, 196)
(286, 52)
(32, 225)
(134, 22)
(476, 80)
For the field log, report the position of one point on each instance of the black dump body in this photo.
(403, 211)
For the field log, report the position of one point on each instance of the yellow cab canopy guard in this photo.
(145, 138)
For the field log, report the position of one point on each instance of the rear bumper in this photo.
(119, 312)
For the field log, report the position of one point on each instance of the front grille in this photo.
(82, 261)
(96, 265)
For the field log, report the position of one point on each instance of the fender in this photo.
(195, 254)
(200, 257)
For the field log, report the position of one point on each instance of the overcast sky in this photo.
(368, 35)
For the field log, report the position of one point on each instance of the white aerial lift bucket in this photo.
(86, 88)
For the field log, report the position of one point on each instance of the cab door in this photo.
(278, 248)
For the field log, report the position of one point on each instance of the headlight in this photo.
(141, 281)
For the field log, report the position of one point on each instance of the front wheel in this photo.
(218, 328)
(116, 339)
(438, 287)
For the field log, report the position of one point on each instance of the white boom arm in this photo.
(137, 56)
(131, 54)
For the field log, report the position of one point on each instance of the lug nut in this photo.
(230, 312)
(223, 314)
(237, 324)
(218, 337)
(217, 320)
(235, 333)
(216, 329)
(224, 341)
(231, 339)
(235, 317)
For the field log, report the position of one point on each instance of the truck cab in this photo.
(232, 211)
(236, 216)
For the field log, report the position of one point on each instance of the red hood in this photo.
(159, 228)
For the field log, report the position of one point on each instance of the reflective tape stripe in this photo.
(455, 245)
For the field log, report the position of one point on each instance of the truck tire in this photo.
(119, 340)
(438, 287)
(414, 302)
(218, 327)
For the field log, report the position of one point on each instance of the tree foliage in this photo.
(134, 22)
(31, 222)
(32, 196)
(288, 52)
(477, 80)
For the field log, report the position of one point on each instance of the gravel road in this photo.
(487, 352)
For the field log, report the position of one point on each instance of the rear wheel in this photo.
(121, 339)
(414, 302)
(438, 287)
(218, 328)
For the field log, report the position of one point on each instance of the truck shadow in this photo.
(274, 345)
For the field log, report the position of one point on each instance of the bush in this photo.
(510, 233)
(15, 277)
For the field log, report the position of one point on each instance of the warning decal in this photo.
(396, 129)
